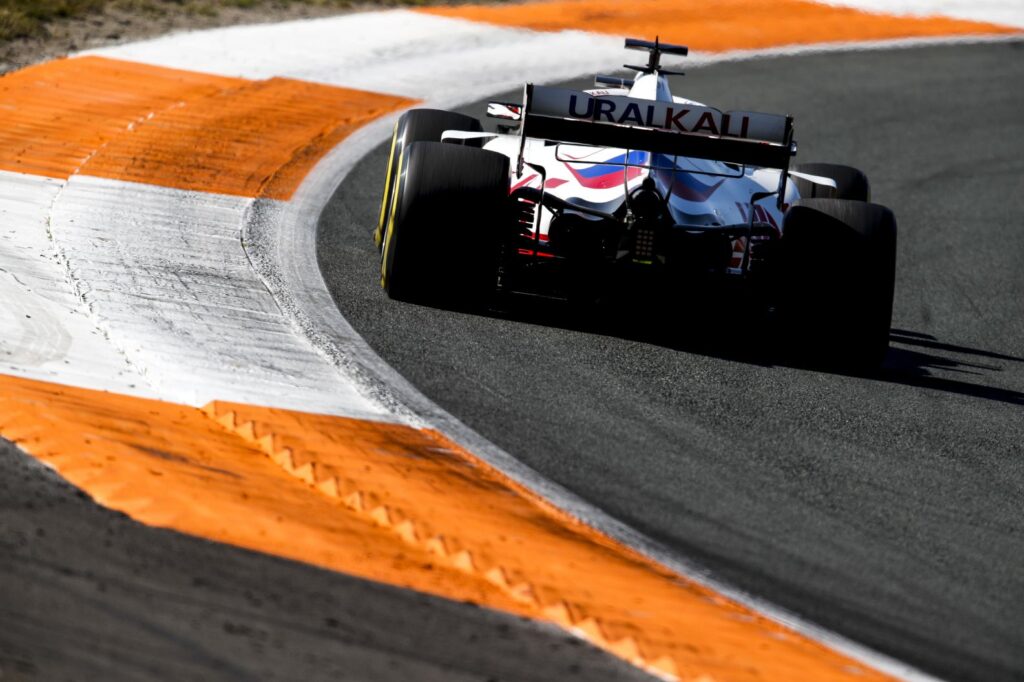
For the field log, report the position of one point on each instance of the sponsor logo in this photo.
(677, 117)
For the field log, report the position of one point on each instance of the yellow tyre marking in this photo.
(389, 235)
(378, 234)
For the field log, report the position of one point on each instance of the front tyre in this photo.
(443, 234)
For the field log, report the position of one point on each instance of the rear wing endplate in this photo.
(742, 137)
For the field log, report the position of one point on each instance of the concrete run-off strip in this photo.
(399, 505)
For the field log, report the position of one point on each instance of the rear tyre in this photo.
(851, 183)
(443, 235)
(838, 275)
(418, 125)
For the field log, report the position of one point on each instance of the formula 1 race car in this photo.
(627, 193)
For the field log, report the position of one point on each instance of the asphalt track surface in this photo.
(889, 508)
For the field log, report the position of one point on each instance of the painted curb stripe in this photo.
(172, 466)
(717, 26)
(153, 125)
(56, 115)
(401, 505)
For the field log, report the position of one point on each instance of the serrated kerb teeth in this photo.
(382, 515)
(523, 592)
(562, 612)
(499, 577)
(591, 629)
(626, 648)
(668, 668)
(329, 486)
(355, 501)
(306, 472)
(246, 430)
(464, 561)
(407, 531)
(438, 545)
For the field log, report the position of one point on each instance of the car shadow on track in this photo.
(914, 359)
(915, 366)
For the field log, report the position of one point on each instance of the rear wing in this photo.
(743, 137)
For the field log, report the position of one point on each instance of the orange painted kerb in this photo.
(126, 121)
(400, 505)
(717, 26)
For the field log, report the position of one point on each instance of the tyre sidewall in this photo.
(837, 281)
(417, 125)
(444, 236)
